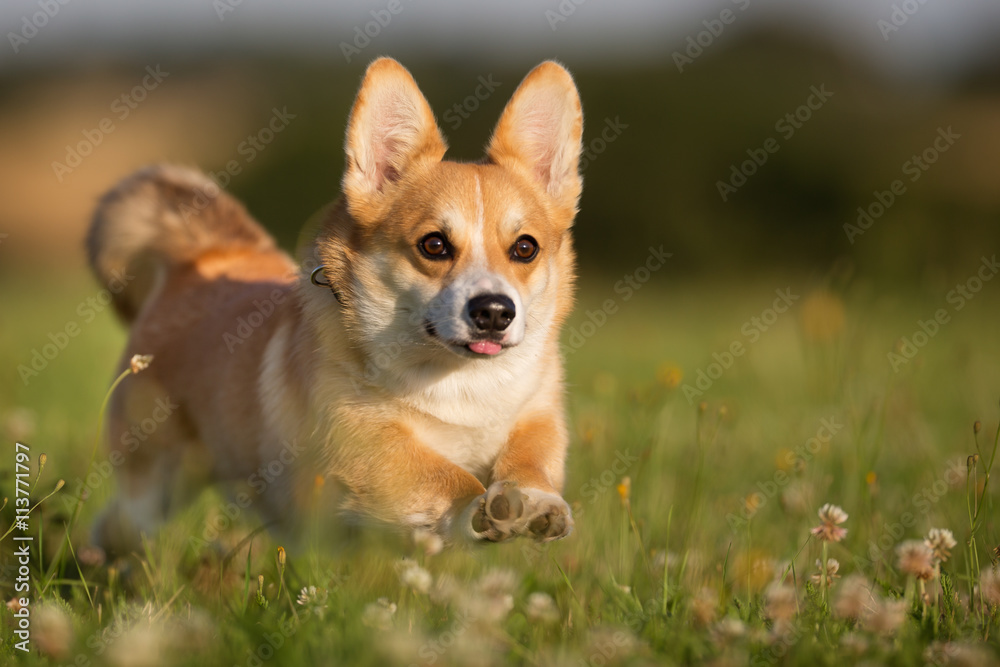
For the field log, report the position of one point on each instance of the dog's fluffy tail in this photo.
(159, 218)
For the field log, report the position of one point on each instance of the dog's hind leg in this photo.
(148, 437)
(142, 505)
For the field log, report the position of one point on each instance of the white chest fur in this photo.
(472, 449)
(471, 413)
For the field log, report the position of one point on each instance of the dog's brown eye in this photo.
(434, 246)
(524, 249)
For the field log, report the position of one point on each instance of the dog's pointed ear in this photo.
(391, 130)
(540, 132)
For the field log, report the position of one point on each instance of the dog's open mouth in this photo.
(485, 348)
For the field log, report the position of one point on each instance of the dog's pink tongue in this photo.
(485, 347)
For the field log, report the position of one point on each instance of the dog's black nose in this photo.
(491, 312)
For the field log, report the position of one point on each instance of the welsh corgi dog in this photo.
(418, 365)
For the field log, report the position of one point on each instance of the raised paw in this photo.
(497, 512)
(546, 516)
(506, 511)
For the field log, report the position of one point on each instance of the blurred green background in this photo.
(656, 181)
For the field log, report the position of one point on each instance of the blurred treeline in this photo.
(654, 184)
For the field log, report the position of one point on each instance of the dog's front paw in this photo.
(547, 516)
(497, 513)
(506, 511)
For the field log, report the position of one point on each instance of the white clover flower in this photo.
(542, 608)
(314, 600)
(941, 541)
(829, 530)
(917, 559)
(379, 614)
(413, 576)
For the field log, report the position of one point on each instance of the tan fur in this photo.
(359, 377)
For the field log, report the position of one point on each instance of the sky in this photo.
(935, 39)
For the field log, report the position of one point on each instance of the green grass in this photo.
(896, 464)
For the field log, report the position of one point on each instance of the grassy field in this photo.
(708, 430)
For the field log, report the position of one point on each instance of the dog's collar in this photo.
(315, 280)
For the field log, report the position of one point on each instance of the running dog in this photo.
(418, 365)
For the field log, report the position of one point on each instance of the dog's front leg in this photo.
(393, 477)
(524, 498)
